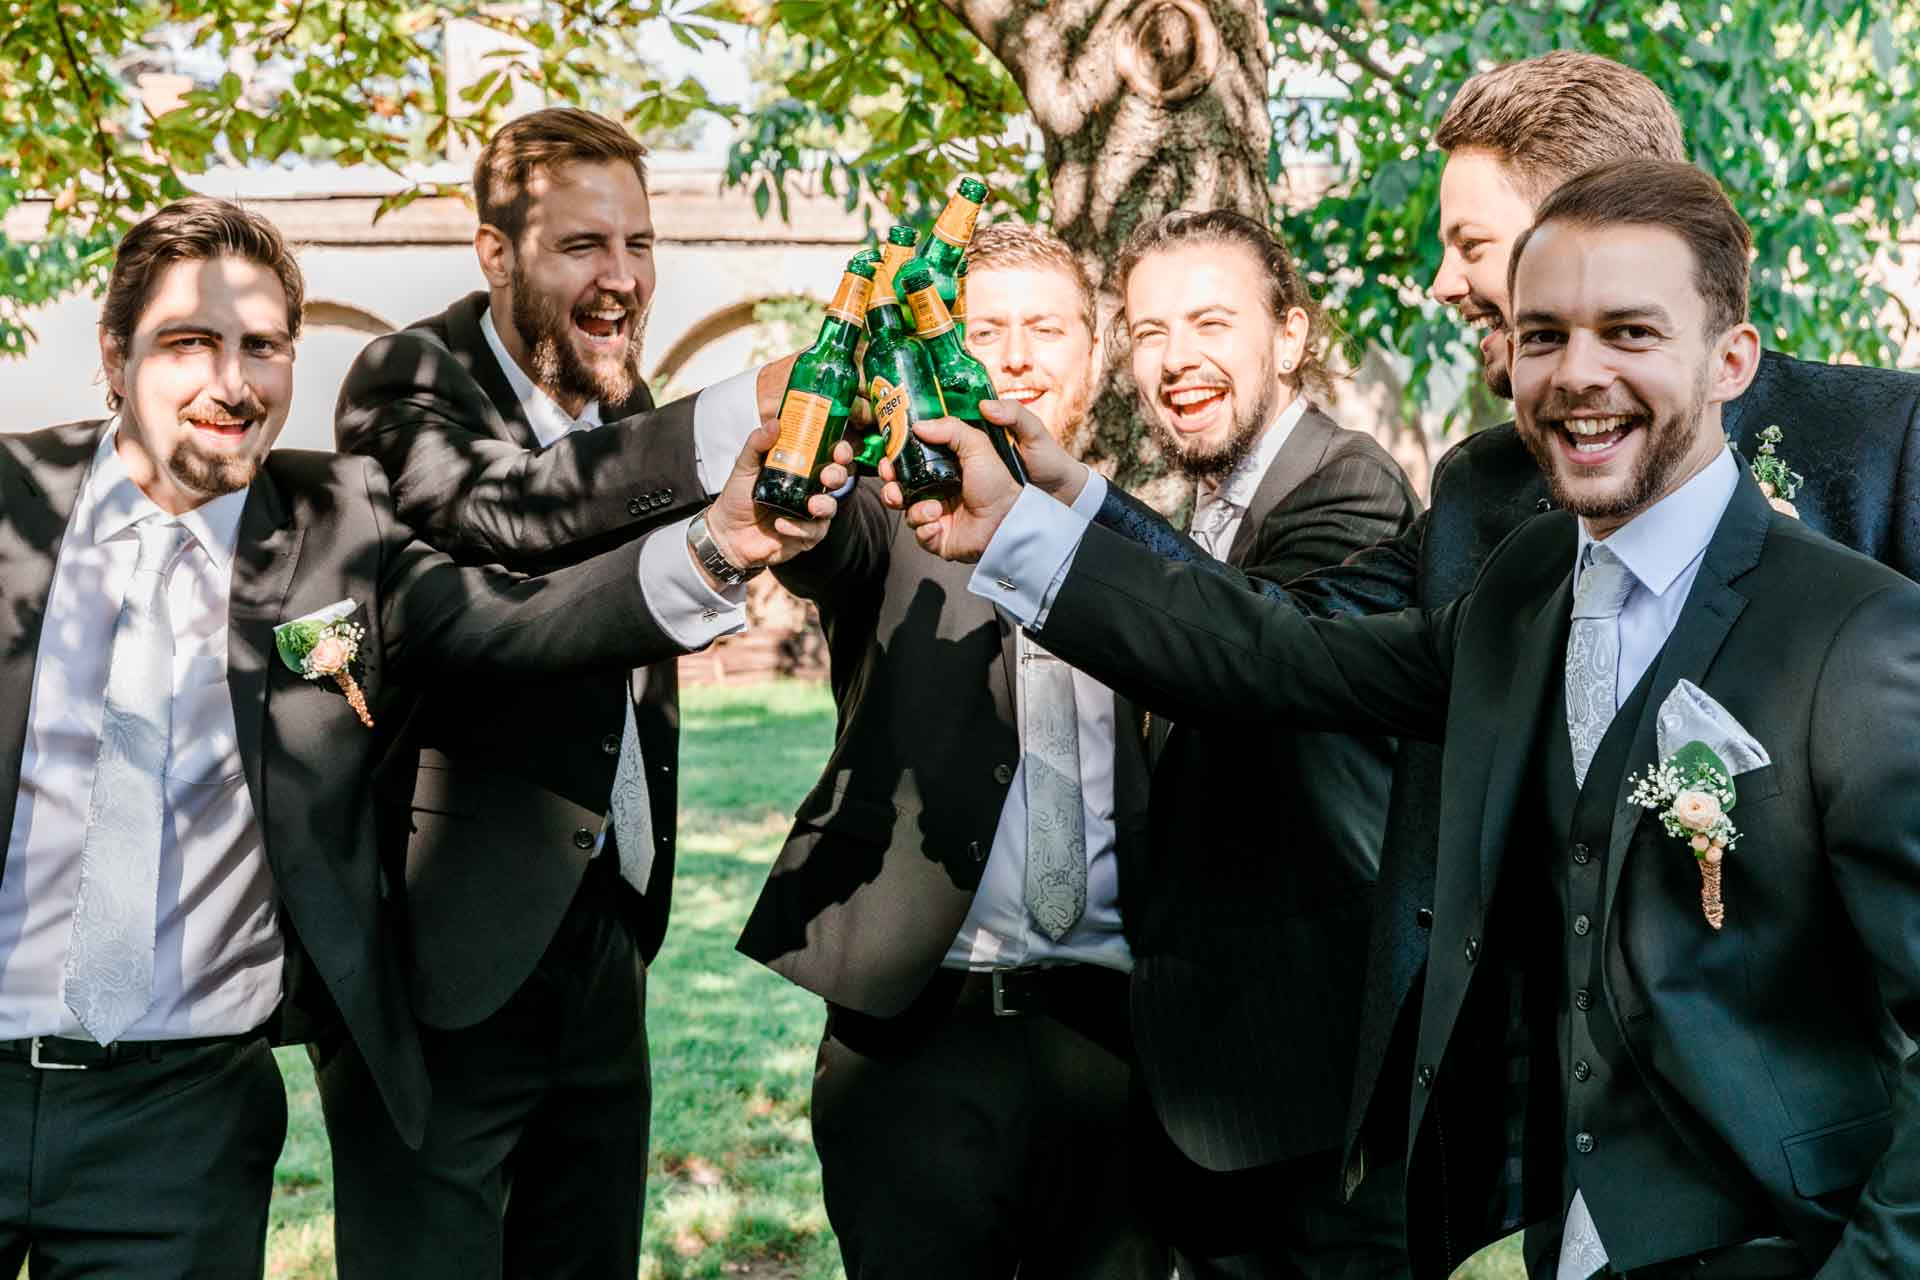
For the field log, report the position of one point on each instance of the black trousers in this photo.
(1282, 1221)
(954, 1143)
(535, 1158)
(144, 1169)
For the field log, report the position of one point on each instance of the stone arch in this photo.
(343, 315)
(711, 328)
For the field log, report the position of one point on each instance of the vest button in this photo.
(1583, 1143)
(1426, 1075)
(1583, 1000)
(1544, 505)
(1473, 950)
(1582, 854)
(583, 839)
(1424, 917)
(974, 849)
(1582, 925)
(1003, 774)
(1581, 1071)
(611, 744)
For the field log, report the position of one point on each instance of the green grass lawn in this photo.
(733, 1189)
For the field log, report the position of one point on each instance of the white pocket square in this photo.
(1690, 714)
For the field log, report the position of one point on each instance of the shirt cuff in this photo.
(689, 610)
(724, 415)
(1023, 566)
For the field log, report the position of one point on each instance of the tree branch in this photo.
(100, 139)
(1357, 52)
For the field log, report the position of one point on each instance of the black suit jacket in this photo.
(1854, 432)
(1247, 906)
(507, 780)
(880, 867)
(331, 796)
(1780, 1038)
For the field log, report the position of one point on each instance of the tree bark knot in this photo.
(1168, 50)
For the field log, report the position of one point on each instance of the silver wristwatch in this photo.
(707, 552)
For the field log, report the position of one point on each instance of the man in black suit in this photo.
(1719, 1027)
(951, 885)
(515, 431)
(1511, 135)
(1247, 966)
(206, 819)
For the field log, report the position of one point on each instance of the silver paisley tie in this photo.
(1593, 653)
(1056, 883)
(632, 809)
(1210, 520)
(108, 982)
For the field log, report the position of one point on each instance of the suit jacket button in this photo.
(1424, 917)
(611, 744)
(1003, 774)
(1582, 1071)
(635, 507)
(1582, 854)
(666, 494)
(583, 839)
(1582, 925)
(1583, 1143)
(1426, 1075)
(1473, 950)
(1583, 1000)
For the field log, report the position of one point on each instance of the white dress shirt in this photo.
(1220, 506)
(218, 953)
(1662, 548)
(687, 608)
(999, 932)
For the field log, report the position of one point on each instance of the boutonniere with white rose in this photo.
(323, 645)
(1692, 791)
(1777, 480)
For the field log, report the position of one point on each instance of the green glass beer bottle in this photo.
(960, 300)
(964, 381)
(905, 389)
(896, 253)
(952, 232)
(819, 396)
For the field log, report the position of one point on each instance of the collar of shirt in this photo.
(111, 503)
(543, 413)
(1662, 542)
(1240, 484)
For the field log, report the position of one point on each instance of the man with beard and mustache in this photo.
(951, 884)
(515, 431)
(204, 814)
(1512, 134)
(1715, 973)
(1249, 943)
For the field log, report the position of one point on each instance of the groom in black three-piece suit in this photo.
(1702, 1101)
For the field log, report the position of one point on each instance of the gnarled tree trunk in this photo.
(1146, 108)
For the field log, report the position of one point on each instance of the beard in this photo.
(208, 473)
(558, 367)
(1670, 440)
(1075, 431)
(1199, 462)
(1498, 377)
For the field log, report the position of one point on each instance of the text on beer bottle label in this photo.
(803, 420)
(890, 411)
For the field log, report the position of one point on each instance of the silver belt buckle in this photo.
(1000, 1009)
(33, 1058)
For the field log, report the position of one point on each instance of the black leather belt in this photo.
(57, 1053)
(1010, 993)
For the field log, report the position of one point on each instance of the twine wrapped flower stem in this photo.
(323, 646)
(1692, 791)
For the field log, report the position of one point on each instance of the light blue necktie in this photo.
(1056, 875)
(632, 809)
(1593, 653)
(109, 974)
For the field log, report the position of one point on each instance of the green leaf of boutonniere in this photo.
(1696, 758)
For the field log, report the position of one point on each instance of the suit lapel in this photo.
(1301, 456)
(263, 565)
(470, 347)
(37, 493)
(1712, 607)
(1540, 659)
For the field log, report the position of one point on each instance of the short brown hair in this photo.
(1661, 193)
(542, 141)
(196, 229)
(1562, 113)
(1009, 246)
(1285, 289)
